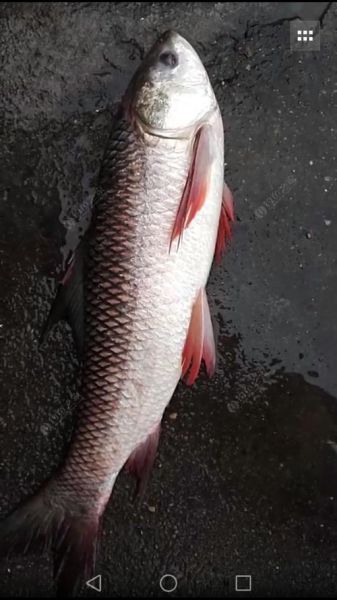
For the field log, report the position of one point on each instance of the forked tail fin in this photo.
(47, 521)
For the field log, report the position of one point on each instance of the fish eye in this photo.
(169, 59)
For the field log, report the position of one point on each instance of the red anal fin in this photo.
(226, 217)
(197, 183)
(140, 462)
(200, 343)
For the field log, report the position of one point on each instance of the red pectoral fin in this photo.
(197, 182)
(226, 217)
(69, 303)
(200, 341)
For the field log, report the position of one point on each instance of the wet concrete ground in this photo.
(246, 476)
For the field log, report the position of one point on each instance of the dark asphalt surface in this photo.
(245, 480)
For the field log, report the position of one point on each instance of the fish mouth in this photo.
(173, 37)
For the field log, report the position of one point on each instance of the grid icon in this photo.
(304, 35)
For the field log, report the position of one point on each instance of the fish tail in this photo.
(47, 521)
(76, 552)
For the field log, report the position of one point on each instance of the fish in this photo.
(134, 293)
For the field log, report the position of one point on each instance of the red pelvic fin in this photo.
(200, 343)
(226, 217)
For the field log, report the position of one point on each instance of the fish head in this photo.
(170, 94)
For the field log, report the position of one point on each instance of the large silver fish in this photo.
(161, 213)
